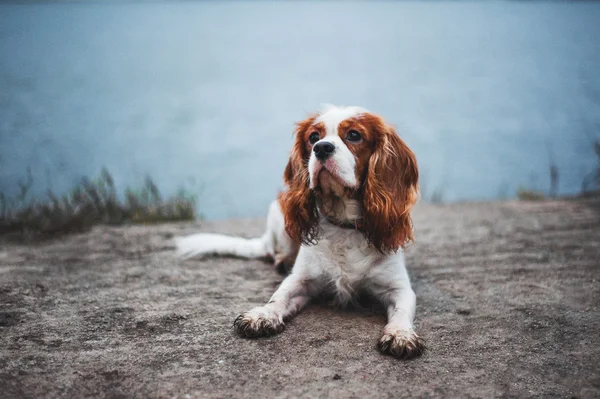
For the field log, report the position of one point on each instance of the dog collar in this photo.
(355, 225)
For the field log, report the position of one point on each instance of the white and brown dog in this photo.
(342, 224)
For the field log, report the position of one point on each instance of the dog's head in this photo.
(350, 153)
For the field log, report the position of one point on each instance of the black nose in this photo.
(323, 150)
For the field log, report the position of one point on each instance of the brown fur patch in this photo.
(390, 190)
(298, 202)
(388, 183)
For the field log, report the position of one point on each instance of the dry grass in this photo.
(529, 195)
(591, 182)
(589, 187)
(90, 202)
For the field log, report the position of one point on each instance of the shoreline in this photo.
(507, 299)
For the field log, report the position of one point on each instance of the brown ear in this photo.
(391, 189)
(298, 202)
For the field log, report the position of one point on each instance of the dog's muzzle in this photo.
(323, 150)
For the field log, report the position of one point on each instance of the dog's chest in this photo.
(345, 259)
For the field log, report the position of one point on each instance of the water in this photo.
(205, 94)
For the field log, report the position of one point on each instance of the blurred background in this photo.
(495, 98)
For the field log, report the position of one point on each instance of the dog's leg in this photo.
(392, 287)
(291, 296)
(399, 337)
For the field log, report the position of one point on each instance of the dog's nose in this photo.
(323, 150)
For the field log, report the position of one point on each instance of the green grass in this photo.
(89, 203)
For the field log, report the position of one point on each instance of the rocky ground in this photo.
(508, 302)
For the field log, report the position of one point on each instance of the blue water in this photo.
(204, 95)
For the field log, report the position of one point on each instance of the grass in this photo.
(529, 195)
(93, 202)
(89, 203)
(589, 186)
(591, 182)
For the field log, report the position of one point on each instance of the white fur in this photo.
(341, 263)
(332, 116)
(274, 243)
(342, 164)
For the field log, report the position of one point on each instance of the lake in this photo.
(203, 95)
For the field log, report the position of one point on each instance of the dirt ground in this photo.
(508, 302)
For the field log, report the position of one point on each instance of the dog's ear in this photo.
(298, 202)
(390, 191)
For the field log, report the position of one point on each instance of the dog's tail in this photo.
(218, 244)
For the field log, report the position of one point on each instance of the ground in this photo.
(508, 303)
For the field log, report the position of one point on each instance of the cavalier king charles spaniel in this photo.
(340, 226)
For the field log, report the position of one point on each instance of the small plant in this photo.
(529, 195)
(591, 182)
(90, 202)
(526, 194)
(553, 171)
(437, 197)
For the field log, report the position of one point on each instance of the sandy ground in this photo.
(508, 302)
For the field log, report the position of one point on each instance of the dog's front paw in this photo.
(401, 343)
(258, 322)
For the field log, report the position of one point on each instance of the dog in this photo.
(341, 226)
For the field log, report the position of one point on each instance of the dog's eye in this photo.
(314, 137)
(353, 136)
